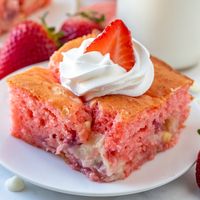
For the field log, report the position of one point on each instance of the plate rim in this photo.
(75, 193)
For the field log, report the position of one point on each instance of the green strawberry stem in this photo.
(51, 31)
(93, 16)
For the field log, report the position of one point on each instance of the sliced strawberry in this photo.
(115, 39)
(198, 170)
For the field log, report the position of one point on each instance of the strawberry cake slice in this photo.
(13, 11)
(105, 137)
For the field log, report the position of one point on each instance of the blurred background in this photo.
(168, 28)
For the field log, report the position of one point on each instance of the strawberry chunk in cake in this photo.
(106, 137)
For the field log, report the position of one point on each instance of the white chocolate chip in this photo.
(65, 111)
(87, 124)
(166, 136)
(15, 184)
(57, 90)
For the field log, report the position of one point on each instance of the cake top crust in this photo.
(41, 83)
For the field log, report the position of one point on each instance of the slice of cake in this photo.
(104, 105)
(108, 137)
(13, 11)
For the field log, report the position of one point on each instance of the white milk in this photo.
(170, 29)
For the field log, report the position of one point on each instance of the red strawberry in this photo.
(82, 23)
(198, 170)
(115, 39)
(28, 43)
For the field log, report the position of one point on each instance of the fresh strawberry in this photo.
(80, 24)
(115, 39)
(198, 170)
(28, 43)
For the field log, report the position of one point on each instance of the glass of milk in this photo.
(170, 29)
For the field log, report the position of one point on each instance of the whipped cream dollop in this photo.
(93, 75)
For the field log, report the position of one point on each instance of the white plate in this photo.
(51, 172)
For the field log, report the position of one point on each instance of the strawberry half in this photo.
(115, 39)
(198, 170)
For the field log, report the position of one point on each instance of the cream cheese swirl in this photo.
(93, 75)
